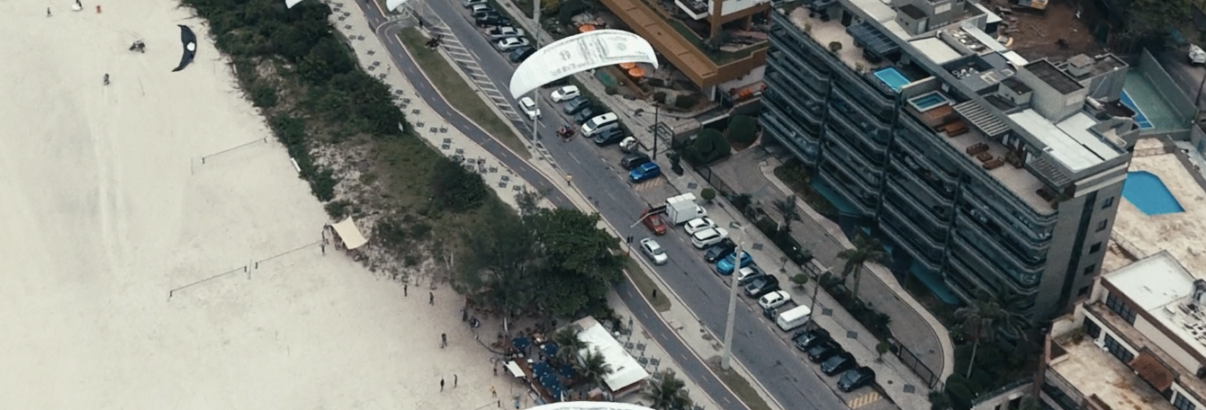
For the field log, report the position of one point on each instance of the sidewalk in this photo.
(912, 325)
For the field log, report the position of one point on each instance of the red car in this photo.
(654, 223)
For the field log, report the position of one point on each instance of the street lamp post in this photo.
(535, 45)
(816, 287)
(656, 129)
(726, 355)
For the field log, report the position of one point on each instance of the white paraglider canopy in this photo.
(579, 53)
(291, 3)
(393, 5)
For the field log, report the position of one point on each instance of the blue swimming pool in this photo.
(1140, 119)
(925, 102)
(892, 78)
(1147, 192)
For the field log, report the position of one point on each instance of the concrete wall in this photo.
(1150, 68)
(1000, 400)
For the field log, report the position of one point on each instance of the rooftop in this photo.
(1094, 371)
(1054, 77)
(1070, 140)
(1020, 181)
(1150, 356)
(1183, 234)
(1153, 282)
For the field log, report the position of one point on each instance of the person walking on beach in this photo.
(441, 384)
(106, 78)
(405, 289)
(430, 298)
(48, 12)
(454, 380)
(443, 340)
(493, 393)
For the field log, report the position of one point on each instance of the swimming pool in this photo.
(892, 78)
(1140, 119)
(927, 101)
(1147, 192)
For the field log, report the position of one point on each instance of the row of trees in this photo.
(664, 392)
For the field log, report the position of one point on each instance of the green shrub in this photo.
(835, 46)
(456, 188)
(263, 96)
(743, 130)
(710, 145)
(707, 194)
(338, 210)
(686, 101)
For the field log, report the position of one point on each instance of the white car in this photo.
(471, 3)
(708, 237)
(529, 107)
(698, 224)
(499, 33)
(511, 43)
(747, 274)
(566, 93)
(599, 122)
(654, 251)
(774, 299)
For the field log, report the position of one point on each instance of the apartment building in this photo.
(1142, 343)
(978, 169)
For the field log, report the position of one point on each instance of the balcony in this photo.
(923, 235)
(897, 195)
(920, 139)
(793, 138)
(1033, 252)
(856, 113)
(869, 173)
(875, 99)
(1027, 271)
(1001, 212)
(798, 90)
(986, 273)
(803, 112)
(797, 56)
(983, 250)
(840, 157)
(844, 196)
(790, 65)
(903, 242)
(859, 189)
(923, 177)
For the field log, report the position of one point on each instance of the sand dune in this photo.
(106, 206)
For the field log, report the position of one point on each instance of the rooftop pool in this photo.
(1147, 192)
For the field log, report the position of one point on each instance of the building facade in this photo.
(978, 169)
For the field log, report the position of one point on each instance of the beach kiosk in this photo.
(346, 234)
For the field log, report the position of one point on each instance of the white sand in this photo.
(106, 207)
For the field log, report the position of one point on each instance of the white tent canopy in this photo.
(625, 370)
(589, 405)
(389, 4)
(514, 369)
(579, 53)
(349, 233)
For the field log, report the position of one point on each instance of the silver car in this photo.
(654, 251)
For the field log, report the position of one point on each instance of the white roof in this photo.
(936, 49)
(1071, 149)
(625, 370)
(876, 9)
(589, 405)
(1015, 58)
(1153, 282)
(349, 233)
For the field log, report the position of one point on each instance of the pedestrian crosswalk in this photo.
(650, 184)
(467, 62)
(864, 400)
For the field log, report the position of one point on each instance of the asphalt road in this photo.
(775, 364)
(1189, 77)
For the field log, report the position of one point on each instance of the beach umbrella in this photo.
(550, 349)
(586, 28)
(636, 72)
(627, 66)
(521, 343)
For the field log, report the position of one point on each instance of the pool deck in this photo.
(1182, 234)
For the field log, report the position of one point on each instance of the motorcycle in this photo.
(566, 131)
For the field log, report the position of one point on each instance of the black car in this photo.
(719, 251)
(808, 338)
(838, 363)
(855, 378)
(493, 20)
(761, 286)
(586, 114)
(575, 105)
(609, 136)
(630, 161)
(483, 13)
(522, 53)
(823, 351)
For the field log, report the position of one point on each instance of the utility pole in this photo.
(1197, 100)
(535, 45)
(816, 287)
(727, 354)
(657, 129)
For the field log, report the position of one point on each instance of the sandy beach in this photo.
(108, 206)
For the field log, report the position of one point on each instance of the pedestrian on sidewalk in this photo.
(655, 293)
(441, 384)
(430, 298)
(48, 12)
(405, 289)
(454, 381)
(443, 340)
(493, 393)
(569, 179)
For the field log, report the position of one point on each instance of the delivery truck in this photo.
(793, 318)
(682, 208)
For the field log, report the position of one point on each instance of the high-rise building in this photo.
(977, 168)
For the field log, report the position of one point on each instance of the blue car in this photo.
(644, 172)
(725, 266)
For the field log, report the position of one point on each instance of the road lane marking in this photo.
(864, 400)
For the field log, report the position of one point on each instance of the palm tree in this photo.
(593, 367)
(866, 249)
(787, 208)
(568, 343)
(978, 321)
(666, 393)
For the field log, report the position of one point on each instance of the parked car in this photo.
(482, 13)
(499, 33)
(855, 378)
(806, 339)
(654, 251)
(644, 172)
(823, 351)
(491, 20)
(575, 105)
(749, 273)
(481, 8)
(471, 3)
(632, 160)
(708, 237)
(761, 286)
(511, 43)
(654, 223)
(565, 93)
(725, 266)
(597, 123)
(719, 251)
(586, 114)
(774, 299)
(609, 135)
(522, 53)
(838, 363)
(698, 224)
(529, 108)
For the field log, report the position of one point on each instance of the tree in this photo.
(1029, 403)
(787, 208)
(708, 146)
(707, 194)
(568, 343)
(866, 250)
(799, 280)
(743, 130)
(455, 188)
(977, 321)
(1152, 19)
(835, 46)
(593, 366)
(500, 263)
(326, 59)
(666, 393)
(880, 349)
(939, 401)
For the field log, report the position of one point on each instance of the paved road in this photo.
(1189, 77)
(789, 380)
(646, 316)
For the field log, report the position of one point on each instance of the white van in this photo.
(594, 124)
(793, 318)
